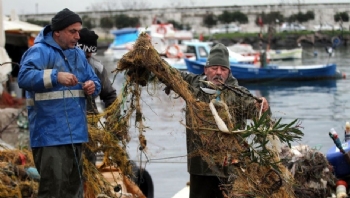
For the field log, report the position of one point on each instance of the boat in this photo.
(252, 73)
(123, 40)
(255, 73)
(285, 54)
(165, 40)
(200, 51)
(272, 54)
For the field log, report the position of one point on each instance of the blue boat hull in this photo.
(248, 72)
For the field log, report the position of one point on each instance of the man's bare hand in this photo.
(67, 79)
(89, 87)
(264, 103)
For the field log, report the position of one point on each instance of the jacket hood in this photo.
(45, 36)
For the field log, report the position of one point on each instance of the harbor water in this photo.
(318, 106)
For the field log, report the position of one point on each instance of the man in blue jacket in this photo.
(57, 78)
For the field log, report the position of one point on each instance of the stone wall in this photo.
(194, 15)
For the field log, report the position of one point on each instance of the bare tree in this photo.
(136, 4)
(108, 5)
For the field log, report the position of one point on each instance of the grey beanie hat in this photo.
(218, 56)
(63, 19)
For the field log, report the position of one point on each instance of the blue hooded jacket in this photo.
(56, 113)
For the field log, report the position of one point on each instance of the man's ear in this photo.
(205, 70)
(56, 33)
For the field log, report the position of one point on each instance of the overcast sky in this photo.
(53, 6)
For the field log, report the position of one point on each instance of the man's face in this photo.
(88, 55)
(216, 73)
(68, 37)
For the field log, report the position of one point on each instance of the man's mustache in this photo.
(218, 78)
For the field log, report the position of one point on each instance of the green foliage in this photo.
(209, 20)
(240, 17)
(310, 15)
(301, 17)
(179, 26)
(106, 22)
(88, 22)
(341, 16)
(38, 22)
(270, 18)
(122, 21)
(227, 17)
(261, 131)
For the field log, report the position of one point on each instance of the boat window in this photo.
(202, 52)
(191, 49)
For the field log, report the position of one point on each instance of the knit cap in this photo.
(63, 19)
(218, 56)
(87, 41)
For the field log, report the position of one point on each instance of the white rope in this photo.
(219, 122)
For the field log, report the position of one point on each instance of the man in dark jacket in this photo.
(88, 43)
(205, 179)
(57, 77)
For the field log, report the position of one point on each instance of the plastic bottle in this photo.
(341, 189)
(333, 134)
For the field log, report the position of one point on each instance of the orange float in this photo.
(256, 59)
(161, 29)
(178, 53)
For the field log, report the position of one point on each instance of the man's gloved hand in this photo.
(167, 90)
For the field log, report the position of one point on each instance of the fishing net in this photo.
(248, 173)
(247, 161)
(16, 180)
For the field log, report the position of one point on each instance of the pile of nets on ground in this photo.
(311, 171)
(18, 177)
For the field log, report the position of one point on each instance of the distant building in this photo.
(324, 13)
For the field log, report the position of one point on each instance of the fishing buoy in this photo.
(341, 189)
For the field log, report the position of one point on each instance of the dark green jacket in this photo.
(244, 108)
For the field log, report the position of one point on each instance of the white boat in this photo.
(283, 54)
(166, 40)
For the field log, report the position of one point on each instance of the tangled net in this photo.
(249, 158)
(252, 169)
(15, 181)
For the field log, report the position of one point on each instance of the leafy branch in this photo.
(267, 138)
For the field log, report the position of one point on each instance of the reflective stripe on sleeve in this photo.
(47, 78)
(55, 95)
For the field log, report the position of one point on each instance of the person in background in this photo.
(57, 78)
(88, 43)
(204, 182)
(347, 131)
